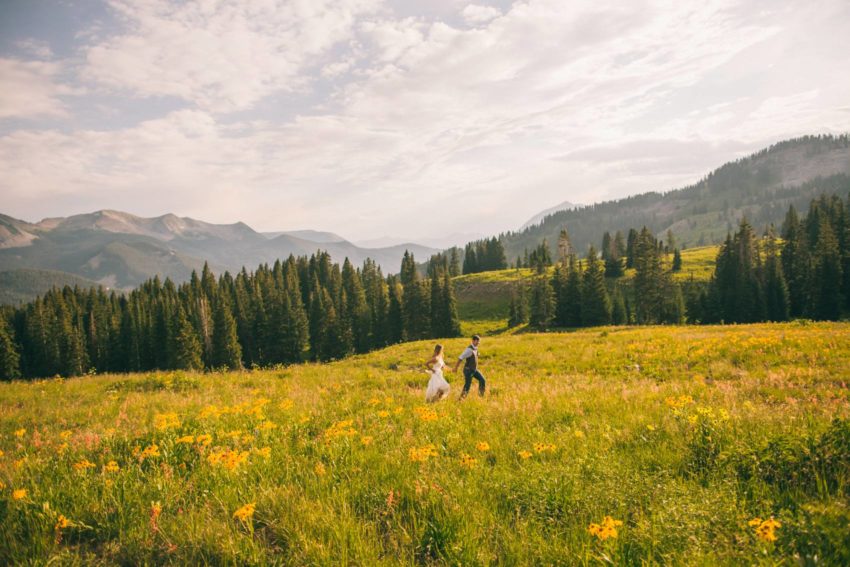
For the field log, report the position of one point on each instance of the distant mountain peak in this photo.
(536, 219)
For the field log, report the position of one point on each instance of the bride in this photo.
(438, 388)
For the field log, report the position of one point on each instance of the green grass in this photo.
(684, 434)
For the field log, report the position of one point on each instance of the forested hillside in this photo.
(760, 187)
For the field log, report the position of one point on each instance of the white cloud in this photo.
(477, 14)
(221, 56)
(30, 89)
(427, 127)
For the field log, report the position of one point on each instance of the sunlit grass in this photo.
(683, 434)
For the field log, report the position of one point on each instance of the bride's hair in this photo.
(438, 349)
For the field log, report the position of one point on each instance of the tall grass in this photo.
(683, 434)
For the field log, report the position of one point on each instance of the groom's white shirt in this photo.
(467, 353)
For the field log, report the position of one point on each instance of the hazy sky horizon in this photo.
(383, 117)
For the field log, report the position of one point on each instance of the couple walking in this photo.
(438, 387)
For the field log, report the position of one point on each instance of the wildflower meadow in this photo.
(625, 446)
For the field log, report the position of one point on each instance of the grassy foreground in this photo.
(703, 445)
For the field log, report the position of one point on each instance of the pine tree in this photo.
(408, 273)
(565, 247)
(825, 291)
(357, 308)
(677, 261)
(226, 350)
(10, 359)
(188, 347)
(775, 288)
(542, 304)
(450, 316)
(571, 314)
(795, 262)
(619, 315)
(395, 311)
(519, 306)
(417, 310)
(631, 243)
(454, 263)
(596, 305)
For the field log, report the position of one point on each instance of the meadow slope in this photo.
(686, 435)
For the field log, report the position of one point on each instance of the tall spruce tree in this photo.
(595, 303)
(825, 300)
(542, 304)
(10, 359)
(226, 351)
(188, 348)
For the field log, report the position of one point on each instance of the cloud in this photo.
(419, 124)
(219, 56)
(477, 14)
(30, 89)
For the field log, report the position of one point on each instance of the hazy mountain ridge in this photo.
(121, 250)
(760, 186)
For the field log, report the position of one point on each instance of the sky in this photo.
(416, 120)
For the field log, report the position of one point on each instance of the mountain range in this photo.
(120, 250)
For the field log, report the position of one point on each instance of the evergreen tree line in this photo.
(304, 308)
(484, 255)
(582, 293)
(806, 274)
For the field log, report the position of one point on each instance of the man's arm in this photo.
(465, 354)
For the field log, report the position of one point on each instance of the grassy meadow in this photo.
(624, 446)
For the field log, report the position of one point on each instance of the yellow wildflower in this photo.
(467, 462)
(149, 451)
(319, 469)
(341, 429)
(765, 529)
(426, 414)
(244, 513)
(65, 434)
(267, 426)
(374, 401)
(83, 465)
(111, 467)
(285, 404)
(606, 529)
(203, 439)
(524, 454)
(264, 452)
(62, 522)
(20, 433)
(579, 434)
(383, 413)
(210, 411)
(544, 447)
(186, 439)
(422, 454)
(482, 446)
(164, 421)
(19, 494)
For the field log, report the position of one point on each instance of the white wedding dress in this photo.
(438, 388)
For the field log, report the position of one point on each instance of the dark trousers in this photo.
(468, 375)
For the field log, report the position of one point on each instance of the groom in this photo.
(470, 368)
